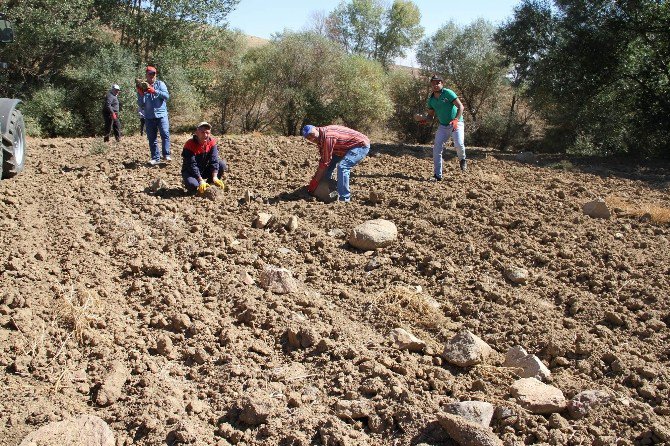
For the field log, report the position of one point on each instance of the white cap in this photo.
(204, 124)
(116, 87)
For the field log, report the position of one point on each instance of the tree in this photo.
(50, 35)
(368, 28)
(148, 26)
(469, 59)
(596, 69)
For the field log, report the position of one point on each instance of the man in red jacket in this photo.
(339, 147)
(201, 161)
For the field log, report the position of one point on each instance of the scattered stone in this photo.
(84, 430)
(246, 278)
(110, 390)
(373, 234)
(292, 223)
(467, 433)
(516, 275)
(479, 412)
(180, 322)
(326, 191)
(404, 340)
(465, 349)
(337, 233)
(278, 280)
(584, 402)
(195, 406)
(263, 220)
(597, 209)
(157, 185)
(530, 365)
(182, 433)
(537, 397)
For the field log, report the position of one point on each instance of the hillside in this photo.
(125, 298)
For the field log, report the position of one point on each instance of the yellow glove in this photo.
(218, 182)
(203, 187)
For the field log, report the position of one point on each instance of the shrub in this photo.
(48, 110)
(408, 94)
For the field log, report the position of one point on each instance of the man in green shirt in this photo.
(449, 110)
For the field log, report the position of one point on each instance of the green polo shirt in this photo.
(444, 107)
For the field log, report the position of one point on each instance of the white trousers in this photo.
(444, 132)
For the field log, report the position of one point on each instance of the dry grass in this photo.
(77, 310)
(655, 214)
(404, 305)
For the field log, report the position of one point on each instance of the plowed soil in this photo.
(108, 266)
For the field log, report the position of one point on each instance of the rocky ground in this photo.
(126, 299)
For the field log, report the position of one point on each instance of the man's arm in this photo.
(457, 102)
(162, 91)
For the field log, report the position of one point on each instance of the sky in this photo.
(262, 18)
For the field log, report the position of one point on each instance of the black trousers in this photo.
(111, 125)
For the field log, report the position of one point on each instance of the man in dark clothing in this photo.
(201, 161)
(110, 113)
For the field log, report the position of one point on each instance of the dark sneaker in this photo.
(434, 179)
(464, 165)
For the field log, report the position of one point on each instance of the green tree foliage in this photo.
(597, 70)
(149, 26)
(360, 93)
(371, 29)
(301, 68)
(408, 93)
(49, 36)
(475, 70)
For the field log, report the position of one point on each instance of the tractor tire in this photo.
(13, 156)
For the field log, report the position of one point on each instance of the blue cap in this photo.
(305, 130)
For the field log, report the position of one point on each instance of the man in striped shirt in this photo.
(339, 147)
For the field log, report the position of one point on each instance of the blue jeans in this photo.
(344, 165)
(154, 125)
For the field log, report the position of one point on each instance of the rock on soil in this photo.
(538, 397)
(467, 433)
(373, 234)
(466, 349)
(84, 430)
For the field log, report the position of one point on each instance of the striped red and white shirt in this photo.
(338, 140)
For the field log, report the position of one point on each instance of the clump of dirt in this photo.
(125, 298)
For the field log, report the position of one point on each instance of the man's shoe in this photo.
(434, 179)
(153, 162)
(168, 158)
(464, 165)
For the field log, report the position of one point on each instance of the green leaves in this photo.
(369, 28)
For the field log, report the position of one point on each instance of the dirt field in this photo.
(125, 298)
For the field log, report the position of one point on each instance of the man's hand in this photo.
(151, 90)
(114, 116)
(311, 187)
(202, 187)
(219, 183)
(454, 124)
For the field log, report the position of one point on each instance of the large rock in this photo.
(373, 234)
(597, 209)
(465, 349)
(537, 397)
(467, 433)
(278, 280)
(326, 191)
(529, 366)
(84, 430)
(479, 412)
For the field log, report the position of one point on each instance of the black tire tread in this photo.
(9, 166)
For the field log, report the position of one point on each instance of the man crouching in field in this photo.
(201, 161)
(339, 147)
